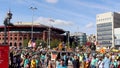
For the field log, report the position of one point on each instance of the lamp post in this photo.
(6, 23)
(49, 32)
(33, 9)
(68, 35)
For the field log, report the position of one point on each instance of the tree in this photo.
(25, 42)
(54, 43)
(38, 41)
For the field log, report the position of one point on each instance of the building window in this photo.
(20, 44)
(15, 38)
(10, 38)
(10, 43)
(6, 38)
(15, 44)
(15, 34)
(20, 38)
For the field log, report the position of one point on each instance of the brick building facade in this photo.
(18, 33)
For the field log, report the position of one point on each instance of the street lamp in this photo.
(7, 23)
(33, 9)
(68, 35)
(49, 32)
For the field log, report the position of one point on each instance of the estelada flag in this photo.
(33, 44)
(30, 43)
(60, 46)
(102, 50)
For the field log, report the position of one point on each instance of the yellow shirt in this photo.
(33, 64)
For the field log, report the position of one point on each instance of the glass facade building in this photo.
(81, 38)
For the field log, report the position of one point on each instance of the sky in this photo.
(69, 15)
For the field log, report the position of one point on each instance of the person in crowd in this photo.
(100, 63)
(11, 58)
(47, 59)
(26, 62)
(106, 61)
(14, 61)
(50, 65)
(62, 64)
(40, 58)
(114, 63)
(87, 62)
(37, 60)
(18, 61)
(76, 63)
(33, 63)
(93, 62)
(66, 60)
(58, 63)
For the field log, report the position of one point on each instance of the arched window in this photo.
(20, 44)
(15, 44)
(10, 38)
(15, 38)
(20, 38)
(10, 43)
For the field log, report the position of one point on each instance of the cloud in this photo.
(59, 11)
(89, 25)
(93, 5)
(53, 22)
(51, 1)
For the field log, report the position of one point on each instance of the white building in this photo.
(107, 23)
(91, 38)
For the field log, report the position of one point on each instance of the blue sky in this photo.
(70, 15)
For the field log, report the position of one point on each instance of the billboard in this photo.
(4, 56)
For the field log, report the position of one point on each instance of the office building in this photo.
(107, 23)
(80, 38)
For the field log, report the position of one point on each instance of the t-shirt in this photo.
(60, 66)
(33, 63)
(93, 62)
(100, 64)
(106, 62)
(26, 62)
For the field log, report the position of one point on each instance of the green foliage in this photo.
(73, 45)
(54, 43)
(25, 42)
(41, 43)
(38, 41)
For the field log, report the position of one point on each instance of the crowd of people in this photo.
(28, 57)
(41, 58)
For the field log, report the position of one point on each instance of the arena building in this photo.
(20, 31)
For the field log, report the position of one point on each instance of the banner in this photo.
(54, 55)
(4, 56)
